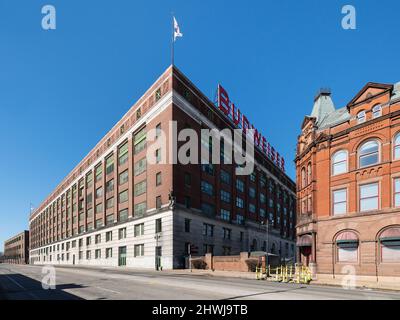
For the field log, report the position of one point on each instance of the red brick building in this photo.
(116, 209)
(348, 186)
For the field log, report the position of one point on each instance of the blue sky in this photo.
(62, 90)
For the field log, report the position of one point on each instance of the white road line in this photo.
(116, 292)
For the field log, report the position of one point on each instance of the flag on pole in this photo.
(177, 30)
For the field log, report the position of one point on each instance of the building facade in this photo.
(117, 209)
(16, 249)
(348, 186)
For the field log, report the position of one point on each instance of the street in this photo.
(23, 282)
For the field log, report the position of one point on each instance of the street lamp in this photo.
(267, 249)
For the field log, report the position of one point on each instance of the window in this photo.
(140, 166)
(396, 192)
(239, 219)
(252, 192)
(225, 215)
(158, 155)
(208, 230)
(123, 154)
(339, 202)
(158, 202)
(208, 209)
(263, 198)
(89, 199)
(188, 202)
(347, 247)
(123, 215)
(158, 130)
(339, 162)
(110, 203)
(208, 168)
(139, 250)
(99, 192)
(369, 197)
(396, 151)
(110, 186)
(207, 188)
(227, 233)
(89, 180)
(253, 177)
(187, 225)
(122, 233)
(240, 185)
(99, 208)
(109, 219)
(158, 179)
(361, 117)
(188, 179)
(369, 154)
(123, 177)
(139, 230)
(376, 111)
(263, 213)
(97, 238)
(108, 236)
(390, 245)
(110, 165)
(88, 254)
(99, 171)
(140, 188)
(225, 177)
(252, 208)
(123, 197)
(309, 173)
(140, 209)
(108, 253)
(97, 254)
(239, 203)
(303, 178)
(88, 241)
(208, 248)
(158, 225)
(225, 196)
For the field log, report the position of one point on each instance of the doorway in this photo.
(121, 256)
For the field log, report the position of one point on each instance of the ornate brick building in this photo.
(116, 208)
(348, 186)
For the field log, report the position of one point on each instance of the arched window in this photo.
(303, 178)
(339, 162)
(396, 148)
(389, 244)
(368, 154)
(361, 117)
(376, 111)
(309, 173)
(347, 247)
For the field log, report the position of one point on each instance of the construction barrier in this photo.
(287, 274)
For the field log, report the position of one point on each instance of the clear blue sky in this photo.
(62, 90)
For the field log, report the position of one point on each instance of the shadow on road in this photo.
(19, 287)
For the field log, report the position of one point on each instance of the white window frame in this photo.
(396, 146)
(377, 196)
(376, 111)
(346, 161)
(339, 202)
(361, 117)
(368, 154)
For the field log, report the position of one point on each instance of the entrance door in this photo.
(122, 256)
(158, 258)
(73, 259)
(305, 255)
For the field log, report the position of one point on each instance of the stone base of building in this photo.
(352, 282)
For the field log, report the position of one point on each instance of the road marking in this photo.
(116, 292)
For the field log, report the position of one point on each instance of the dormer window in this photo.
(361, 117)
(376, 111)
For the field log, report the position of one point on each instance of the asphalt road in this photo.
(24, 282)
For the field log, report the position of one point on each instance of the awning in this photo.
(347, 237)
(305, 241)
(391, 234)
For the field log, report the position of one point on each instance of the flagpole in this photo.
(173, 41)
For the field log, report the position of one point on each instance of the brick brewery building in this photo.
(116, 209)
(348, 175)
(16, 249)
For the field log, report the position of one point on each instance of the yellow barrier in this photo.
(294, 274)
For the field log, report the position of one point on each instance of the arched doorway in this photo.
(305, 249)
